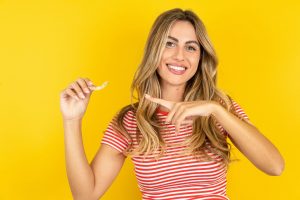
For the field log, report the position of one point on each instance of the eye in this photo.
(169, 44)
(191, 48)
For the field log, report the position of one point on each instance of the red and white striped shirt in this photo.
(173, 176)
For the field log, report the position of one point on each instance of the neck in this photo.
(172, 93)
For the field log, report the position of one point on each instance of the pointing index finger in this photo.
(165, 103)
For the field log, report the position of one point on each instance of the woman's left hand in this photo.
(181, 110)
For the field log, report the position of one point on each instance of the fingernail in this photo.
(87, 91)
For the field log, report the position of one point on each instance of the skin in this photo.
(244, 135)
(91, 180)
(88, 181)
(179, 53)
(75, 98)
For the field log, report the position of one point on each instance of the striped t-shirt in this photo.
(173, 176)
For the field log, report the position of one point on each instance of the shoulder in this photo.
(230, 102)
(130, 117)
(237, 109)
(127, 115)
(234, 107)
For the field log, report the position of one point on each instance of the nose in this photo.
(179, 54)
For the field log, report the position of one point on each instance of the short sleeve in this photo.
(239, 110)
(114, 138)
(241, 114)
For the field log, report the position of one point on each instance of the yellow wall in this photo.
(45, 45)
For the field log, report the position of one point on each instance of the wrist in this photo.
(72, 127)
(72, 121)
(215, 109)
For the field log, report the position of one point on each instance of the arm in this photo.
(106, 166)
(248, 139)
(88, 182)
(257, 148)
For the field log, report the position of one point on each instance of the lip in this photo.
(176, 72)
(177, 64)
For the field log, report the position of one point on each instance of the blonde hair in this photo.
(202, 86)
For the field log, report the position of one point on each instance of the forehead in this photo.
(183, 30)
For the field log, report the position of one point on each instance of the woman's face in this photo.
(180, 56)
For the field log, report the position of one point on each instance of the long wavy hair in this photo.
(206, 136)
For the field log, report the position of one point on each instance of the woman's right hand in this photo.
(75, 98)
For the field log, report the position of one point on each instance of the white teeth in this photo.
(177, 67)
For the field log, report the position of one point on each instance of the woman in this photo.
(176, 132)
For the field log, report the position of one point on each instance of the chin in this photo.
(175, 83)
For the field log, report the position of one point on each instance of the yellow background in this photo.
(45, 45)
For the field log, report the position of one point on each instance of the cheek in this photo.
(160, 67)
(195, 64)
(162, 62)
(167, 53)
(194, 71)
(195, 61)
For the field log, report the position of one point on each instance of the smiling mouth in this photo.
(176, 67)
(178, 70)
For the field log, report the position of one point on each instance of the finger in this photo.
(177, 125)
(181, 114)
(187, 122)
(165, 103)
(83, 85)
(72, 94)
(75, 86)
(172, 113)
(89, 82)
(192, 117)
(177, 129)
(180, 119)
(179, 110)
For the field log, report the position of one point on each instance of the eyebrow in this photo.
(188, 42)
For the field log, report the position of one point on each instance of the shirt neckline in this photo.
(161, 111)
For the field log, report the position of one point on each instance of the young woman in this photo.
(176, 133)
